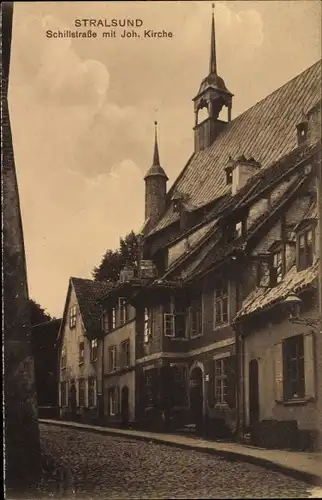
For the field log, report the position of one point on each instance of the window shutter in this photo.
(278, 364)
(309, 366)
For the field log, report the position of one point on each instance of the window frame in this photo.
(63, 401)
(171, 314)
(91, 396)
(81, 384)
(196, 307)
(126, 355)
(93, 350)
(63, 358)
(73, 316)
(81, 352)
(105, 321)
(307, 257)
(221, 300)
(123, 310)
(221, 380)
(112, 366)
(147, 325)
(112, 397)
(288, 366)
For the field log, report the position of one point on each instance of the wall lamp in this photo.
(293, 304)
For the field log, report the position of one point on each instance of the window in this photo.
(123, 310)
(221, 304)
(195, 317)
(220, 380)
(151, 386)
(305, 249)
(72, 317)
(179, 385)
(63, 394)
(293, 352)
(105, 322)
(112, 399)
(264, 274)
(225, 381)
(147, 325)
(278, 265)
(125, 349)
(81, 392)
(113, 318)
(63, 358)
(174, 325)
(81, 353)
(112, 358)
(94, 349)
(91, 392)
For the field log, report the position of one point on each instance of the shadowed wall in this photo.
(22, 446)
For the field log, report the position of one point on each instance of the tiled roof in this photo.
(213, 251)
(293, 281)
(89, 293)
(266, 132)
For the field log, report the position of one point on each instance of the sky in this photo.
(82, 112)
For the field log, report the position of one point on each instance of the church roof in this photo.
(266, 131)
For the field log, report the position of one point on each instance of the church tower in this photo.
(212, 95)
(155, 187)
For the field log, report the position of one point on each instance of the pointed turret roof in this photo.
(213, 80)
(156, 168)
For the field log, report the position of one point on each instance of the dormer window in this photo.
(278, 265)
(305, 249)
(229, 170)
(176, 206)
(235, 230)
(271, 269)
(302, 131)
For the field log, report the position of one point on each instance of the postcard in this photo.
(161, 194)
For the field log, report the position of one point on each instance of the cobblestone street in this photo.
(104, 467)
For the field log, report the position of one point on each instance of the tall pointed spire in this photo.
(156, 159)
(213, 61)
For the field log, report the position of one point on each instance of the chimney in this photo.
(242, 171)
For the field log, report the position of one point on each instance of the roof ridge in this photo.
(276, 90)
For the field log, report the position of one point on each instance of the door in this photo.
(196, 398)
(253, 394)
(125, 406)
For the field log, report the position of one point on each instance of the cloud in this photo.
(54, 69)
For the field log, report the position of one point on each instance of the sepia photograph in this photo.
(161, 257)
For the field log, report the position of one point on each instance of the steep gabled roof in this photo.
(266, 132)
(212, 247)
(89, 293)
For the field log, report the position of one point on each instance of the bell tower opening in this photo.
(213, 101)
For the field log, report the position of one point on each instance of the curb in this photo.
(307, 477)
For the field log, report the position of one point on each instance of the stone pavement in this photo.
(304, 466)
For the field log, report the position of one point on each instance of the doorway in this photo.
(196, 398)
(253, 395)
